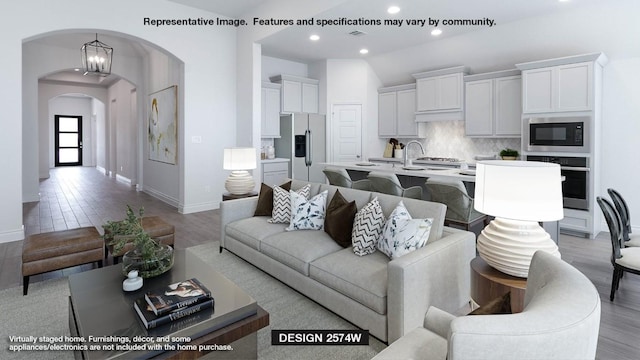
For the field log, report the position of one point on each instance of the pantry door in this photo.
(347, 132)
(68, 140)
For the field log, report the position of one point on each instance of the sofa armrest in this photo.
(232, 210)
(436, 275)
(438, 321)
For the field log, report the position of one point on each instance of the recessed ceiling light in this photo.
(393, 10)
(364, 51)
(314, 37)
(76, 69)
(436, 32)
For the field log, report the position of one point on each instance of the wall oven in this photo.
(575, 187)
(557, 134)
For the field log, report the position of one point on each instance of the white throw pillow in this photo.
(367, 227)
(282, 204)
(307, 214)
(402, 234)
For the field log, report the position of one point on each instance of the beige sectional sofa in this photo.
(387, 297)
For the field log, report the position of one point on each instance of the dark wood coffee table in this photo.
(98, 307)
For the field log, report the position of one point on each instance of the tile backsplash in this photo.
(447, 139)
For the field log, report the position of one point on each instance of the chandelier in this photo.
(96, 58)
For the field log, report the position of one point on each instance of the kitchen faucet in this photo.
(406, 151)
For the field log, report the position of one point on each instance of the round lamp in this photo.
(239, 160)
(519, 194)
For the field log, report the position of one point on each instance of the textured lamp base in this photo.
(508, 245)
(239, 182)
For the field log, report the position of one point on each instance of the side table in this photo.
(230, 196)
(488, 283)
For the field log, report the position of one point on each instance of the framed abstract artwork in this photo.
(163, 125)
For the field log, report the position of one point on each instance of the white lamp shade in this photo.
(239, 159)
(519, 190)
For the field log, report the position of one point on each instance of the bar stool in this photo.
(340, 177)
(623, 211)
(388, 183)
(454, 194)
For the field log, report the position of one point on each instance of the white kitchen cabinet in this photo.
(559, 85)
(299, 94)
(397, 112)
(275, 172)
(493, 104)
(270, 110)
(440, 94)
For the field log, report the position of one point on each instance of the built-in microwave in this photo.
(566, 134)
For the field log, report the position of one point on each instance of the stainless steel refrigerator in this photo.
(303, 140)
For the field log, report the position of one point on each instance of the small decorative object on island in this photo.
(148, 257)
(509, 154)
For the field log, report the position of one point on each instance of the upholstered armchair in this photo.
(560, 320)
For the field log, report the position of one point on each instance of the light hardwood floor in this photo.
(81, 196)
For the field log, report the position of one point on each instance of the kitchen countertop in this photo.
(276, 160)
(428, 171)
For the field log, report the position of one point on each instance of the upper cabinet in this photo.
(270, 110)
(559, 85)
(493, 104)
(397, 111)
(299, 94)
(440, 94)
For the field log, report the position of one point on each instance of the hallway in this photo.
(83, 196)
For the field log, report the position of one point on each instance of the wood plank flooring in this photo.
(81, 196)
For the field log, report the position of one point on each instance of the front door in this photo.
(68, 140)
(347, 132)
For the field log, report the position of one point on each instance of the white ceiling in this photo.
(293, 42)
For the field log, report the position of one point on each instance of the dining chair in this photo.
(388, 183)
(625, 218)
(623, 259)
(340, 177)
(454, 194)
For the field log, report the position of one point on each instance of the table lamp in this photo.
(519, 194)
(239, 160)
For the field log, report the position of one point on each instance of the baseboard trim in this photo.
(123, 179)
(14, 235)
(194, 208)
(160, 196)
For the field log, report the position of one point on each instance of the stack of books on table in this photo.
(172, 302)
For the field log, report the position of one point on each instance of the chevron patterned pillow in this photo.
(282, 204)
(367, 227)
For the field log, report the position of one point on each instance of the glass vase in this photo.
(158, 264)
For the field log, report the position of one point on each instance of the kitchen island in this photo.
(416, 170)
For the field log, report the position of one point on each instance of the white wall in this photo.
(124, 132)
(210, 98)
(272, 66)
(98, 112)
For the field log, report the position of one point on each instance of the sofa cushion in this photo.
(367, 227)
(251, 231)
(362, 278)
(419, 209)
(307, 214)
(265, 199)
(282, 204)
(297, 249)
(338, 221)
(402, 234)
(361, 197)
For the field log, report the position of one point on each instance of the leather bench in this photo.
(157, 228)
(57, 250)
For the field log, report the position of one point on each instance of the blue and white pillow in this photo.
(307, 214)
(402, 234)
(281, 213)
(367, 227)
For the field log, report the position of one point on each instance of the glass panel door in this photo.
(68, 140)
